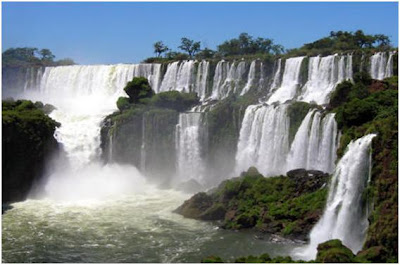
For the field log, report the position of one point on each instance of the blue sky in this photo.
(93, 33)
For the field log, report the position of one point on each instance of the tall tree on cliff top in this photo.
(160, 48)
(189, 46)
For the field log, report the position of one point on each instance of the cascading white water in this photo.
(344, 217)
(277, 76)
(201, 79)
(227, 78)
(179, 77)
(324, 73)
(263, 140)
(83, 96)
(381, 66)
(290, 81)
(315, 144)
(250, 79)
(188, 147)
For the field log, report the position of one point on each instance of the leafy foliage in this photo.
(189, 46)
(137, 89)
(26, 57)
(160, 48)
(246, 44)
(341, 41)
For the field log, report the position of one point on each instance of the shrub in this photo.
(123, 103)
(138, 88)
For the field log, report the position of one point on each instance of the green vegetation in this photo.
(189, 46)
(288, 206)
(251, 48)
(160, 48)
(342, 41)
(27, 57)
(138, 89)
(142, 96)
(246, 44)
(27, 140)
(296, 112)
(333, 251)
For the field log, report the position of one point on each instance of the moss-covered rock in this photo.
(333, 251)
(288, 206)
(27, 142)
(375, 254)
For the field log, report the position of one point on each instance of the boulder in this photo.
(195, 206)
(333, 251)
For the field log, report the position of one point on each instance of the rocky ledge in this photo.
(288, 206)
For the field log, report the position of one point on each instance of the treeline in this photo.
(250, 47)
(28, 57)
(236, 47)
(343, 41)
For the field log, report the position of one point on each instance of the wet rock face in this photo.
(308, 180)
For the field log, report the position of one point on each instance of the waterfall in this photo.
(227, 79)
(344, 217)
(179, 77)
(264, 139)
(277, 75)
(381, 67)
(250, 79)
(315, 144)
(143, 146)
(110, 148)
(324, 73)
(188, 146)
(201, 79)
(83, 95)
(290, 81)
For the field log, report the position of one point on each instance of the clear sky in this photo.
(94, 33)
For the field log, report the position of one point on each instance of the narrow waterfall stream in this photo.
(345, 215)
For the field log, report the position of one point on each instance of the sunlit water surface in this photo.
(129, 228)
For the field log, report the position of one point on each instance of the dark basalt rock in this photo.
(308, 180)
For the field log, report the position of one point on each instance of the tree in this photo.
(189, 46)
(382, 40)
(205, 54)
(246, 44)
(47, 55)
(137, 89)
(20, 57)
(160, 48)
